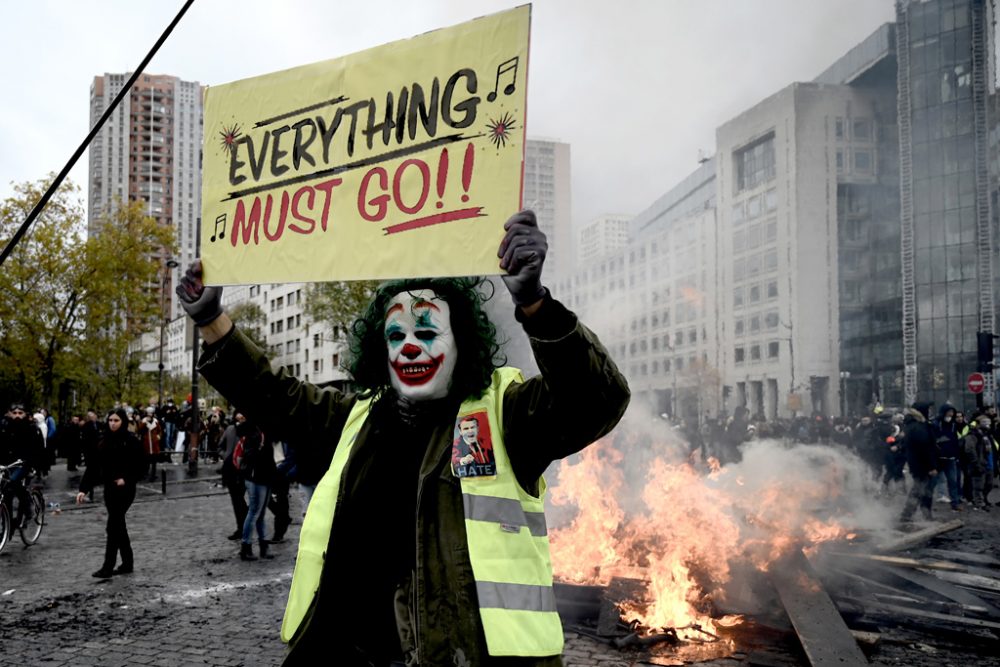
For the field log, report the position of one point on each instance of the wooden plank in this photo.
(970, 580)
(962, 557)
(954, 608)
(822, 632)
(885, 609)
(872, 583)
(919, 537)
(945, 589)
(902, 561)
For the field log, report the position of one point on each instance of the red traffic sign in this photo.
(976, 383)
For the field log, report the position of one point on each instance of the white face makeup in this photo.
(421, 345)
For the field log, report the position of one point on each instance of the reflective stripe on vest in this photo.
(315, 533)
(506, 533)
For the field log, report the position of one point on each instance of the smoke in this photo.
(641, 500)
(811, 481)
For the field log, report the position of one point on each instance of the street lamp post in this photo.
(170, 264)
(844, 377)
(791, 361)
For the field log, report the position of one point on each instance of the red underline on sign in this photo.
(436, 219)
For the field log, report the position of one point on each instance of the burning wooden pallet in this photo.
(841, 602)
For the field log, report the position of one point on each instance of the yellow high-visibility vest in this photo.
(505, 529)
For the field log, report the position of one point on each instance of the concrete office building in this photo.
(602, 236)
(547, 191)
(868, 230)
(785, 168)
(306, 349)
(653, 303)
(673, 297)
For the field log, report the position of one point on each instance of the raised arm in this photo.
(580, 395)
(283, 406)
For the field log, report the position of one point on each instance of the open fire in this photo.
(688, 524)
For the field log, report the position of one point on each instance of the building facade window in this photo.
(755, 163)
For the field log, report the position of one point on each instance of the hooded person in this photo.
(979, 445)
(892, 439)
(948, 445)
(407, 555)
(921, 457)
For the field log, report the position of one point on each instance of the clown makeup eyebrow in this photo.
(424, 303)
(396, 308)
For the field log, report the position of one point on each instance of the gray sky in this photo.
(636, 87)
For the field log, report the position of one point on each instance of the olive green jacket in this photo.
(579, 396)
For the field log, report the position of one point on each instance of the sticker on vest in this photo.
(472, 448)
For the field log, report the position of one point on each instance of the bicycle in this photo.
(10, 510)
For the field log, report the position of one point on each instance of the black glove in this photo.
(522, 253)
(203, 304)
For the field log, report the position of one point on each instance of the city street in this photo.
(191, 601)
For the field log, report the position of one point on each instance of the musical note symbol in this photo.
(222, 219)
(504, 67)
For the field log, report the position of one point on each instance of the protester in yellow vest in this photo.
(412, 551)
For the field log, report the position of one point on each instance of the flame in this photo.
(692, 295)
(714, 466)
(692, 528)
(594, 485)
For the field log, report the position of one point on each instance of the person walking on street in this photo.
(921, 457)
(231, 476)
(70, 437)
(979, 445)
(254, 457)
(90, 435)
(278, 498)
(118, 464)
(949, 452)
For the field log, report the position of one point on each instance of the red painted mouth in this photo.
(413, 373)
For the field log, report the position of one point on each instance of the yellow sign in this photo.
(400, 161)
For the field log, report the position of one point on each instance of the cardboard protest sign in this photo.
(399, 161)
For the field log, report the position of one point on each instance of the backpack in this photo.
(238, 454)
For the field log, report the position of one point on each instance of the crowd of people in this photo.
(949, 455)
(124, 448)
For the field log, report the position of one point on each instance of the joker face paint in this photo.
(421, 345)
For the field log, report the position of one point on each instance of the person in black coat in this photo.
(258, 470)
(922, 458)
(231, 476)
(119, 463)
(20, 439)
